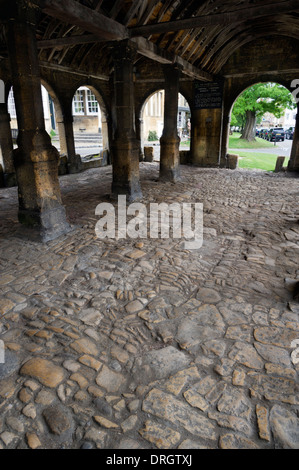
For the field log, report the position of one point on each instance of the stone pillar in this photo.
(206, 137)
(170, 141)
(139, 135)
(125, 146)
(36, 160)
(294, 159)
(6, 143)
(74, 160)
(62, 136)
(105, 133)
(105, 141)
(225, 139)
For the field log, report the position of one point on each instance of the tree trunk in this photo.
(249, 129)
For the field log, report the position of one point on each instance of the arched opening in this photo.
(90, 122)
(54, 118)
(6, 141)
(262, 124)
(152, 121)
(51, 108)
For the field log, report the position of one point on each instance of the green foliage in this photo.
(262, 98)
(152, 136)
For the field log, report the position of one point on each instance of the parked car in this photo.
(289, 133)
(264, 133)
(276, 134)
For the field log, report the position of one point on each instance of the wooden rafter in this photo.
(97, 5)
(231, 17)
(116, 8)
(221, 55)
(203, 44)
(148, 12)
(68, 41)
(198, 8)
(198, 34)
(132, 11)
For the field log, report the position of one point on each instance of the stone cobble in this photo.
(142, 344)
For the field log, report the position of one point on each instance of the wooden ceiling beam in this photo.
(150, 50)
(68, 41)
(103, 28)
(74, 71)
(231, 17)
(70, 11)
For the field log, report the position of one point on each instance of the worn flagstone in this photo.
(141, 344)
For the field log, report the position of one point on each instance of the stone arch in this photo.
(142, 108)
(58, 115)
(235, 93)
(6, 138)
(104, 113)
(51, 92)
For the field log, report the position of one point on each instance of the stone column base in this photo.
(40, 206)
(169, 159)
(75, 166)
(126, 169)
(10, 180)
(43, 226)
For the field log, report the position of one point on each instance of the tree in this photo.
(256, 101)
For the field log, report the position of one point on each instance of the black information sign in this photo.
(207, 95)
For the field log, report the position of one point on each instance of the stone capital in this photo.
(124, 51)
(172, 72)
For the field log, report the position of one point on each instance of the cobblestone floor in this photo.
(136, 344)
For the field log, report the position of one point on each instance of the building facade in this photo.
(153, 116)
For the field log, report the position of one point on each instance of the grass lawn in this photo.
(251, 160)
(261, 161)
(236, 143)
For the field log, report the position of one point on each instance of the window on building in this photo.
(11, 105)
(78, 103)
(160, 103)
(179, 119)
(92, 104)
(154, 106)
